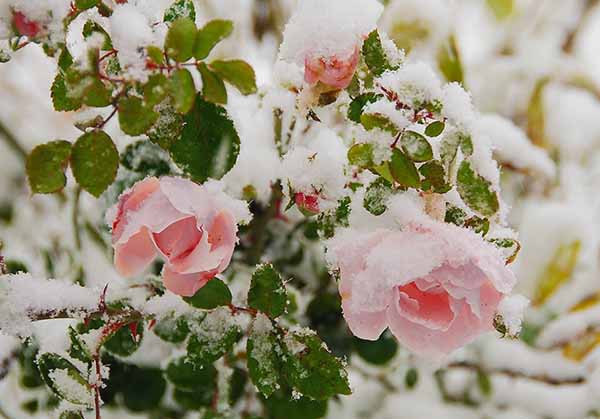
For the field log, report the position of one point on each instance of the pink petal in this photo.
(363, 324)
(133, 257)
(178, 239)
(185, 285)
(430, 308)
(131, 201)
(332, 71)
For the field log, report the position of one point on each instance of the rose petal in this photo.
(178, 239)
(132, 257)
(185, 285)
(365, 325)
(131, 201)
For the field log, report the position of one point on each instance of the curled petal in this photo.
(132, 257)
(185, 285)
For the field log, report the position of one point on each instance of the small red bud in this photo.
(308, 204)
(24, 26)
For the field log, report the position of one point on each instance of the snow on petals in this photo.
(435, 285)
(325, 38)
(192, 227)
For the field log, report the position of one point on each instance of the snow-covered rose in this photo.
(435, 285)
(192, 227)
(325, 38)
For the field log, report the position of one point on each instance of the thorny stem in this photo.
(97, 386)
(12, 142)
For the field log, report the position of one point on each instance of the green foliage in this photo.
(179, 43)
(403, 170)
(60, 99)
(358, 104)
(209, 144)
(411, 379)
(155, 90)
(46, 165)
(378, 352)
(476, 191)
(376, 196)
(213, 87)
(416, 146)
(90, 28)
(135, 116)
(180, 9)
(264, 357)
(374, 54)
(267, 291)
(94, 161)
(237, 73)
(168, 126)
(146, 158)
(144, 388)
(53, 368)
(210, 35)
(212, 338)
(449, 61)
(86, 4)
(123, 342)
(361, 155)
(435, 177)
(371, 121)
(284, 406)
(435, 129)
(172, 329)
(182, 90)
(78, 349)
(186, 375)
(212, 295)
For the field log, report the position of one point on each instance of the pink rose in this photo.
(308, 204)
(436, 286)
(332, 71)
(24, 26)
(185, 223)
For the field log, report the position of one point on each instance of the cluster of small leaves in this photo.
(193, 127)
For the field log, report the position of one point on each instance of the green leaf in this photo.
(146, 158)
(91, 27)
(359, 103)
(64, 379)
(288, 407)
(382, 122)
(466, 146)
(455, 215)
(168, 126)
(404, 170)
(213, 338)
(155, 89)
(180, 9)
(377, 195)
(46, 165)
(213, 88)
(407, 34)
(435, 129)
(476, 191)
(85, 4)
(155, 54)
(61, 101)
(435, 177)
(212, 295)
(375, 55)
(411, 379)
(384, 171)
(449, 147)
(361, 155)
(135, 116)
(179, 43)
(484, 383)
(558, 272)
(267, 291)
(123, 342)
(311, 369)
(416, 147)
(144, 390)
(378, 352)
(78, 349)
(209, 144)
(182, 90)
(502, 8)
(536, 115)
(171, 329)
(210, 35)
(449, 61)
(71, 414)
(510, 248)
(94, 161)
(264, 352)
(237, 73)
(186, 375)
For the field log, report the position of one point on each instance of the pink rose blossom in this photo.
(184, 223)
(332, 71)
(436, 286)
(308, 204)
(24, 26)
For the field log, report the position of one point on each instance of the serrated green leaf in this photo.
(155, 89)
(46, 165)
(264, 357)
(212, 295)
(435, 177)
(238, 73)
(78, 349)
(168, 126)
(92, 27)
(435, 129)
(171, 329)
(371, 121)
(182, 90)
(267, 291)
(476, 191)
(374, 54)
(403, 170)
(449, 61)
(213, 338)
(123, 342)
(466, 146)
(209, 144)
(94, 162)
(359, 103)
(377, 195)
(210, 35)
(416, 147)
(135, 116)
(57, 371)
(179, 43)
(180, 9)
(311, 369)
(186, 375)
(361, 155)
(61, 101)
(213, 87)
(384, 171)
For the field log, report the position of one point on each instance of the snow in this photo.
(511, 309)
